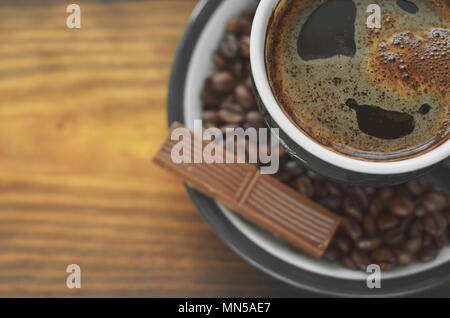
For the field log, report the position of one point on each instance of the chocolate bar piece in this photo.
(260, 199)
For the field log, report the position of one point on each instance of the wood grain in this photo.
(82, 112)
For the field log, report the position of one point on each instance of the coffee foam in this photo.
(412, 65)
(402, 67)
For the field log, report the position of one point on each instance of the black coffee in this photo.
(378, 94)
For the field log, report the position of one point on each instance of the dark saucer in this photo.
(245, 247)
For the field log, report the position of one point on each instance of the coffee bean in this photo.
(384, 258)
(255, 119)
(439, 241)
(385, 266)
(352, 228)
(207, 125)
(249, 13)
(332, 189)
(387, 222)
(238, 70)
(331, 202)
(221, 82)
(332, 253)
(351, 209)
(369, 225)
(413, 244)
(343, 244)
(394, 237)
(314, 176)
(230, 104)
(229, 47)
(304, 185)
(248, 70)
(385, 193)
(233, 25)
(220, 61)
(404, 257)
(230, 117)
(211, 116)
(420, 211)
(360, 196)
(405, 222)
(424, 184)
(245, 26)
(400, 205)
(368, 244)
(428, 254)
(360, 259)
(283, 176)
(435, 224)
(319, 190)
(245, 97)
(427, 240)
(415, 187)
(244, 47)
(346, 261)
(248, 82)
(434, 202)
(447, 216)
(210, 99)
(294, 168)
(415, 228)
(376, 207)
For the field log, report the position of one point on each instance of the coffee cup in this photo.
(327, 162)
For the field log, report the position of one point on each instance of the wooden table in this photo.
(82, 112)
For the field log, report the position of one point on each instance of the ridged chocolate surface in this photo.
(260, 199)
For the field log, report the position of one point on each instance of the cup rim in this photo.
(257, 60)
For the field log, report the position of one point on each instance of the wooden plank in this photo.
(82, 113)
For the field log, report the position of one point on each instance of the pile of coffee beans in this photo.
(390, 226)
(227, 95)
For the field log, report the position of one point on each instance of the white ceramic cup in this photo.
(331, 164)
(200, 66)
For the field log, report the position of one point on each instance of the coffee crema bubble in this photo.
(373, 94)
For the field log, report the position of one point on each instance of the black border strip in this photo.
(237, 241)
